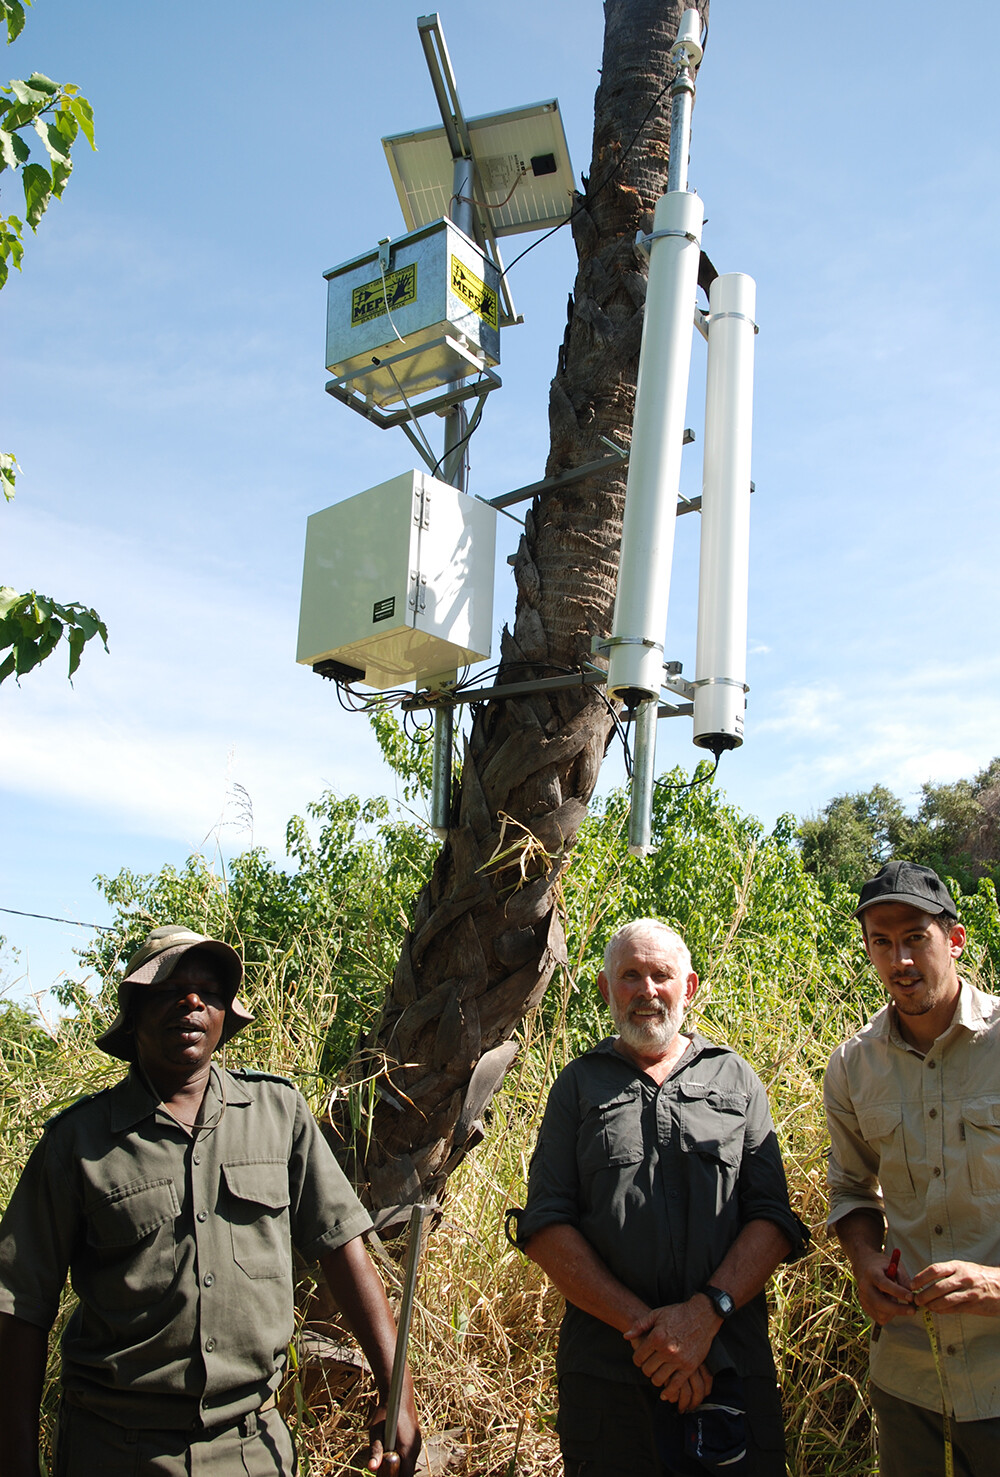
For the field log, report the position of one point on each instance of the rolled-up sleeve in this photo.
(553, 1197)
(763, 1189)
(852, 1170)
(325, 1211)
(37, 1235)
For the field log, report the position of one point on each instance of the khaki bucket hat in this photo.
(154, 961)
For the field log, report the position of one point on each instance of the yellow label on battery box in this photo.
(473, 291)
(369, 302)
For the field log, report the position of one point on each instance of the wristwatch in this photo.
(721, 1301)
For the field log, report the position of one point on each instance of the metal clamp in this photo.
(718, 317)
(720, 682)
(644, 242)
(605, 643)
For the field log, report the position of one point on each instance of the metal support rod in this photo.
(444, 730)
(686, 53)
(455, 462)
(681, 105)
(395, 1397)
(640, 821)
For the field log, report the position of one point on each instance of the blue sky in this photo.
(163, 390)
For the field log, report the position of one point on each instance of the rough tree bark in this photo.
(486, 936)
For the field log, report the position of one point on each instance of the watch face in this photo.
(721, 1301)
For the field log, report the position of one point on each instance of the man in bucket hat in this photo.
(913, 1108)
(173, 1200)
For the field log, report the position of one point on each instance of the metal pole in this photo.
(444, 733)
(640, 821)
(687, 53)
(664, 362)
(454, 470)
(395, 1397)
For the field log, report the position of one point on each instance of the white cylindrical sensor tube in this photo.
(636, 667)
(720, 673)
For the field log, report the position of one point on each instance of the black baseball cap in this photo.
(907, 882)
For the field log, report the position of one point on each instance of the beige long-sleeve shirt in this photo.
(917, 1137)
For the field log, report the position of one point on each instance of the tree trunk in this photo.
(486, 935)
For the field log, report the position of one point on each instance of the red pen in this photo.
(892, 1272)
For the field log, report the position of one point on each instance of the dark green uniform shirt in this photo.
(660, 1180)
(178, 1246)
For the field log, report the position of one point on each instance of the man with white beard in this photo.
(657, 1205)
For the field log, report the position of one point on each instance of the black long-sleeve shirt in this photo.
(660, 1180)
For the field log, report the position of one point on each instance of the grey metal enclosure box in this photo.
(398, 581)
(442, 293)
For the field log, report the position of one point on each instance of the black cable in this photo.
(473, 426)
(588, 198)
(48, 918)
(691, 783)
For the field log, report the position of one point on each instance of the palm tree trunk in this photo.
(486, 936)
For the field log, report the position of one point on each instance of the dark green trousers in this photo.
(607, 1429)
(259, 1445)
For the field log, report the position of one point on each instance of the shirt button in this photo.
(932, 1113)
(950, 1349)
(196, 1158)
(209, 1345)
(938, 1231)
(209, 1278)
(202, 1215)
(937, 1171)
(932, 1064)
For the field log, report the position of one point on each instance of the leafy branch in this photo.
(33, 625)
(57, 112)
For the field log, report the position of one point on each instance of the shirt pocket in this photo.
(981, 1132)
(712, 1124)
(132, 1231)
(257, 1211)
(610, 1135)
(882, 1127)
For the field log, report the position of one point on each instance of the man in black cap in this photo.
(173, 1200)
(913, 1108)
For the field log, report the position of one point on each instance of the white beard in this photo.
(648, 1032)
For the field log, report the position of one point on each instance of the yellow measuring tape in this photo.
(932, 1334)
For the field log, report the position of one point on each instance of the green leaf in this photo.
(10, 244)
(12, 12)
(77, 638)
(61, 171)
(8, 473)
(37, 192)
(66, 121)
(13, 149)
(43, 84)
(31, 96)
(53, 137)
(84, 115)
